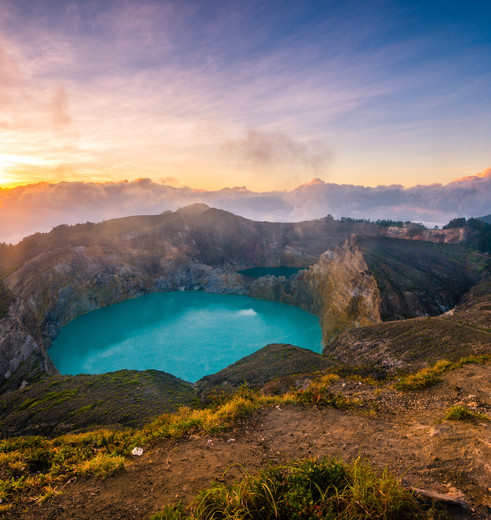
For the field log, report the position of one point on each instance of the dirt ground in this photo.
(404, 431)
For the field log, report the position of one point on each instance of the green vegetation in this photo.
(306, 490)
(423, 378)
(462, 413)
(37, 465)
(429, 376)
(481, 239)
(53, 398)
(318, 393)
(455, 223)
(101, 466)
(65, 403)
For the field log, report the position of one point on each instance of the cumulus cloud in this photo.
(39, 207)
(485, 174)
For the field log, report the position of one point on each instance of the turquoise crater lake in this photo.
(188, 334)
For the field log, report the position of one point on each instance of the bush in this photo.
(455, 223)
(422, 379)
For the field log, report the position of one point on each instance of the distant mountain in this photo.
(486, 218)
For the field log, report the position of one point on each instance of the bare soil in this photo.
(403, 431)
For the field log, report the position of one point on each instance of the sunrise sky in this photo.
(213, 94)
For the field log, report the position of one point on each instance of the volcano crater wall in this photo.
(83, 279)
(202, 250)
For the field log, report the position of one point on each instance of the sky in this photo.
(274, 109)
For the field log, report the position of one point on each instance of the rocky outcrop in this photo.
(415, 232)
(344, 293)
(338, 288)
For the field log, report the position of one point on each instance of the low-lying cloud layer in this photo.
(39, 207)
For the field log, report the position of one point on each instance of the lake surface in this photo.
(257, 272)
(188, 334)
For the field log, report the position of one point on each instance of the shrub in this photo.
(430, 376)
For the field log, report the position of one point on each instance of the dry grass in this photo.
(33, 463)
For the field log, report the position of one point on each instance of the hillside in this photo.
(412, 344)
(408, 432)
(64, 404)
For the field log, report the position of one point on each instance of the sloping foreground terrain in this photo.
(406, 431)
(431, 429)
(348, 281)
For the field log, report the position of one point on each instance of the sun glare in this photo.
(13, 166)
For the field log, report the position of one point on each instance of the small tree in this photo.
(455, 223)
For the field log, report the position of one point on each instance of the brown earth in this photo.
(403, 431)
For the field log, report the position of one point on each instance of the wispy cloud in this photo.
(107, 90)
(277, 152)
(123, 89)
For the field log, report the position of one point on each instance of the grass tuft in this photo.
(48, 492)
(462, 413)
(305, 490)
(422, 379)
(430, 376)
(101, 466)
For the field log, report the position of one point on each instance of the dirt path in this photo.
(404, 434)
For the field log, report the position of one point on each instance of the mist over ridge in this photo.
(39, 207)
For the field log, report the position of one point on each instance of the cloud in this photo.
(485, 174)
(60, 108)
(128, 84)
(276, 150)
(39, 207)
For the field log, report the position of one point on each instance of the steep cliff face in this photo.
(439, 236)
(70, 271)
(343, 291)
(417, 278)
